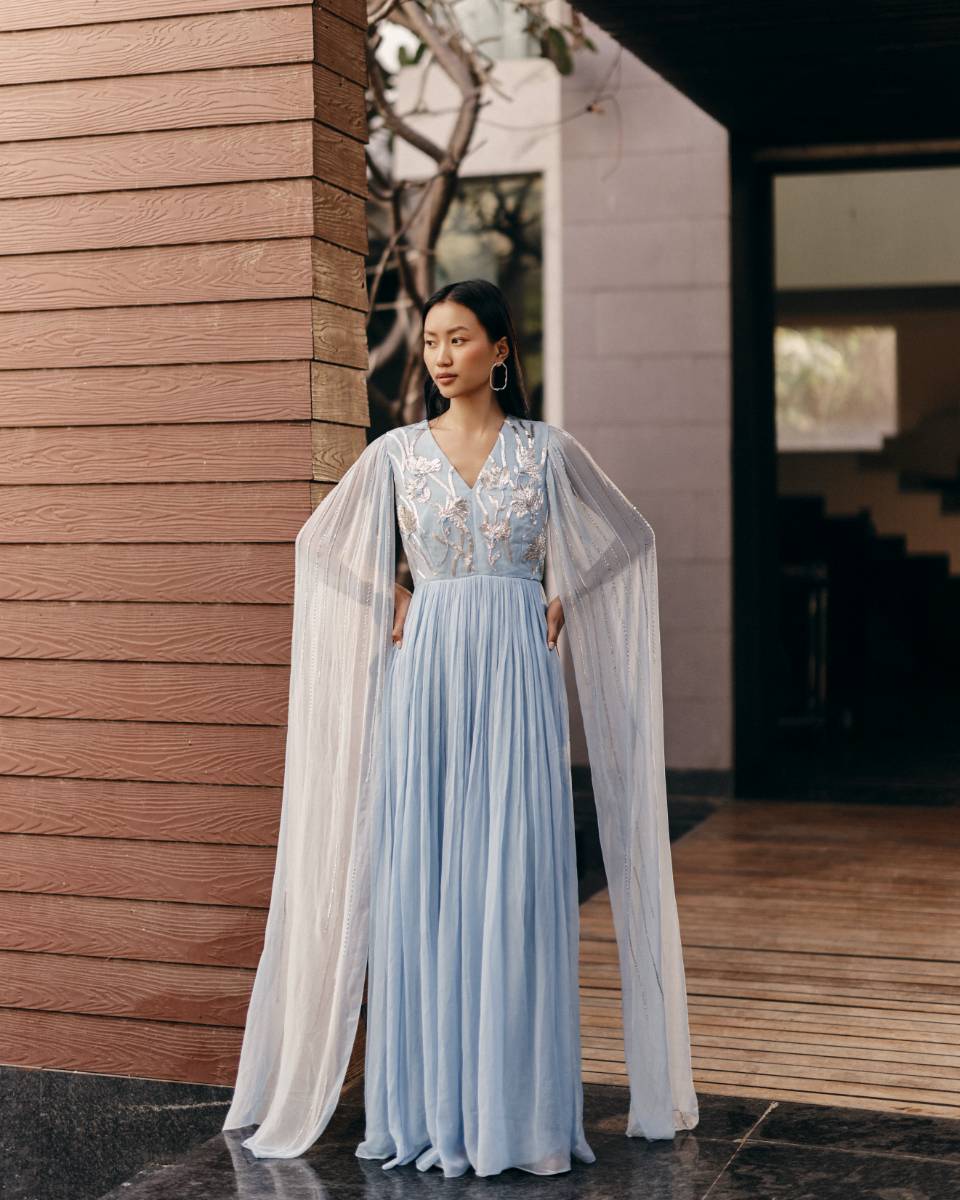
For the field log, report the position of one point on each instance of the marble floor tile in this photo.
(679, 1170)
(223, 1170)
(724, 1118)
(774, 1171)
(863, 1130)
(67, 1135)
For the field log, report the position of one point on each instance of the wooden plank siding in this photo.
(182, 369)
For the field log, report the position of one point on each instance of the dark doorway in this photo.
(846, 594)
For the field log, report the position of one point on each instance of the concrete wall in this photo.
(646, 358)
(868, 229)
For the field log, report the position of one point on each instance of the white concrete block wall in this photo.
(645, 350)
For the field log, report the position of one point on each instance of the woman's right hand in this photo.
(401, 602)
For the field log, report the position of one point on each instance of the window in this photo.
(836, 386)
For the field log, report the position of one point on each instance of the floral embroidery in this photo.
(493, 476)
(536, 551)
(406, 518)
(415, 467)
(462, 549)
(527, 460)
(453, 518)
(527, 500)
(506, 508)
(455, 509)
(493, 532)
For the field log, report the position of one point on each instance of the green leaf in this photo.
(406, 59)
(554, 46)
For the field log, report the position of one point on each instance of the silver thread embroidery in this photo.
(407, 518)
(536, 550)
(416, 468)
(501, 493)
(495, 526)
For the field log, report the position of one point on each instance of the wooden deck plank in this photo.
(822, 957)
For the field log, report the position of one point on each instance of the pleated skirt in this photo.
(473, 1024)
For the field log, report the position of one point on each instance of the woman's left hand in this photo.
(555, 621)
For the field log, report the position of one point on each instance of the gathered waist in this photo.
(481, 584)
(528, 580)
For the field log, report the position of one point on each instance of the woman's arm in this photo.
(555, 620)
(401, 600)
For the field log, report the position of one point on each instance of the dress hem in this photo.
(428, 1156)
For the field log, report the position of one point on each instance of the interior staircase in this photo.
(904, 494)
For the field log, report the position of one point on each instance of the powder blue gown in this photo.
(473, 1024)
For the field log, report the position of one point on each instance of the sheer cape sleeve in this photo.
(304, 1006)
(603, 557)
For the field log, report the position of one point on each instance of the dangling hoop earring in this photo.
(504, 384)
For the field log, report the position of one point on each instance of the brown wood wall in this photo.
(182, 354)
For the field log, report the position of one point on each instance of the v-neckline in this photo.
(483, 466)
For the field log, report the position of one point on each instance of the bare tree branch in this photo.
(413, 212)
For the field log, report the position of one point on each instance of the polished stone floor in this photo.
(742, 1150)
(69, 1135)
(75, 1137)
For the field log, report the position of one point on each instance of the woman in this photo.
(426, 828)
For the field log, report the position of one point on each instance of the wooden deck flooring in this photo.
(822, 956)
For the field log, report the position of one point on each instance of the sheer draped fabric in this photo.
(304, 1007)
(305, 1003)
(602, 553)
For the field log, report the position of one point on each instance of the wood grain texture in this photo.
(338, 160)
(195, 573)
(184, 872)
(339, 276)
(253, 451)
(158, 275)
(117, 1046)
(342, 102)
(821, 955)
(339, 335)
(244, 754)
(199, 512)
(214, 935)
(145, 691)
(182, 227)
(170, 157)
(172, 633)
(178, 100)
(176, 157)
(242, 331)
(184, 812)
(144, 395)
(27, 14)
(161, 216)
(350, 10)
(339, 45)
(339, 394)
(147, 991)
(318, 491)
(334, 448)
(241, 38)
(339, 217)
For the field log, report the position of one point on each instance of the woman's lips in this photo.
(445, 378)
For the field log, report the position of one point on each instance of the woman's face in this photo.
(455, 344)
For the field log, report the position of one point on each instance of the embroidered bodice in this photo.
(497, 527)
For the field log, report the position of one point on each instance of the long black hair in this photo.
(489, 305)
